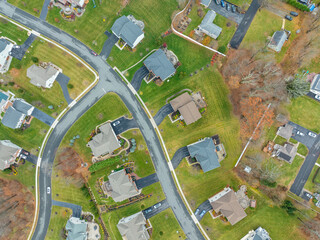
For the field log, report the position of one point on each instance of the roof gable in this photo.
(12, 118)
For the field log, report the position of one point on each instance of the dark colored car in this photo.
(228, 7)
(288, 17)
(295, 14)
(233, 8)
(93, 53)
(222, 3)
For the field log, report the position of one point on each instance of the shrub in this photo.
(222, 49)
(268, 183)
(288, 206)
(11, 84)
(298, 5)
(70, 86)
(161, 233)
(35, 59)
(16, 64)
(99, 165)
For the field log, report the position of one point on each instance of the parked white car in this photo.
(311, 134)
(317, 97)
(300, 133)
(48, 190)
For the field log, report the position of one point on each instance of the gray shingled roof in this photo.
(205, 2)
(23, 106)
(104, 142)
(126, 30)
(12, 118)
(7, 152)
(315, 86)
(39, 75)
(277, 41)
(208, 27)
(205, 153)
(77, 229)
(160, 65)
(133, 227)
(122, 187)
(3, 44)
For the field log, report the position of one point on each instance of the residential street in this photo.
(109, 81)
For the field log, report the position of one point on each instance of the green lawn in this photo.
(96, 115)
(26, 175)
(29, 139)
(12, 31)
(227, 31)
(165, 226)
(195, 19)
(302, 149)
(58, 221)
(31, 6)
(305, 112)
(309, 184)
(293, 141)
(280, 140)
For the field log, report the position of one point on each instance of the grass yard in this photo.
(31, 6)
(96, 115)
(305, 112)
(165, 226)
(58, 221)
(12, 31)
(309, 184)
(195, 19)
(302, 149)
(91, 26)
(293, 141)
(26, 175)
(228, 29)
(29, 139)
(112, 218)
(280, 140)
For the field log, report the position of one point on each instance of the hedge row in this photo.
(298, 5)
(99, 165)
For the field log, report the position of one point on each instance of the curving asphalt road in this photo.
(109, 81)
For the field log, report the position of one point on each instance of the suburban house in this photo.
(22, 106)
(186, 107)
(258, 234)
(161, 64)
(315, 85)
(70, 8)
(208, 27)
(285, 131)
(8, 153)
(129, 30)
(78, 229)
(277, 40)
(134, 227)
(42, 76)
(104, 142)
(205, 3)
(287, 152)
(206, 153)
(226, 204)
(5, 58)
(13, 118)
(120, 186)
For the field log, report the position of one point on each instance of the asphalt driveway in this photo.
(63, 81)
(206, 206)
(306, 140)
(180, 154)
(108, 45)
(124, 125)
(76, 209)
(138, 77)
(245, 24)
(43, 117)
(19, 53)
(154, 211)
(32, 158)
(147, 181)
(44, 10)
(312, 95)
(162, 113)
(233, 16)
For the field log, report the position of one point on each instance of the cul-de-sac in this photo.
(160, 120)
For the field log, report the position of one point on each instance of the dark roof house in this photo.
(315, 85)
(226, 203)
(287, 152)
(13, 118)
(208, 27)
(127, 29)
(133, 227)
(277, 41)
(159, 64)
(22, 106)
(76, 229)
(8, 153)
(187, 108)
(204, 151)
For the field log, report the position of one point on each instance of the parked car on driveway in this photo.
(311, 134)
(233, 8)
(148, 210)
(288, 17)
(300, 133)
(228, 7)
(116, 123)
(197, 211)
(48, 190)
(157, 205)
(202, 213)
(317, 97)
(295, 14)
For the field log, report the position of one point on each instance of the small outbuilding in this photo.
(277, 40)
